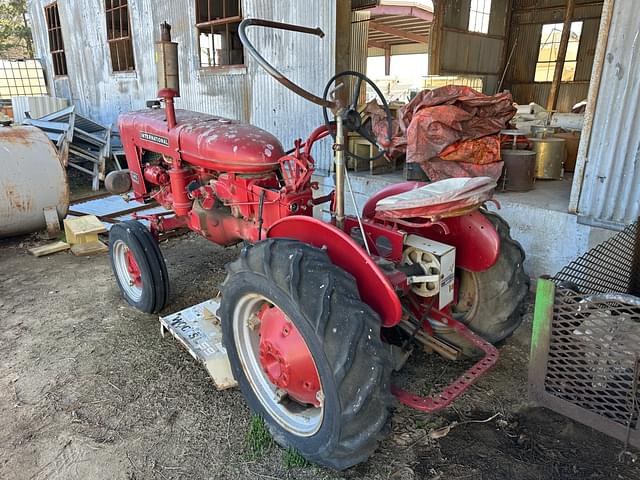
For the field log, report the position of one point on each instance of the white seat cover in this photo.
(438, 193)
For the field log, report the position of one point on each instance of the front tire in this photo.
(341, 334)
(139, 267)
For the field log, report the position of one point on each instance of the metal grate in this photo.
(605, 268)
(592, 352)
(585, 349)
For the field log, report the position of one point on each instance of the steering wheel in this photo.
(353, 120)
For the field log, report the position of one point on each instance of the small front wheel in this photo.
(138, 265)
(306, 351)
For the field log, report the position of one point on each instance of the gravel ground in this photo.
(89, 390)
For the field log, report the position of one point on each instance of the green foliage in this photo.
(15, 33)
(258, 439)
(292, 459)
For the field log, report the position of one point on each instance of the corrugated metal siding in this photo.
(611, 188)
(36, 106)
(588, 42)
(359, 41)
(248, 95)
(456, 51)
(306, 59)
(538, 4)
(526, 29)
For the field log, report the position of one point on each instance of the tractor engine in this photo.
(227, 180)
(224, 179)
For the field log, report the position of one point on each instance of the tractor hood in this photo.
(203, 140)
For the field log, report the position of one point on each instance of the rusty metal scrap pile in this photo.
(82, 143)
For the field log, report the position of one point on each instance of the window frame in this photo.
(117, 40)
(475, 14)
(552, 63)
(222, 20)
(56, 40)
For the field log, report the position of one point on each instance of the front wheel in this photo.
(306, 351)
(138, 265)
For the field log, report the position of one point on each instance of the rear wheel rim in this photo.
(296, 418)
(468, 292)
(127, 270)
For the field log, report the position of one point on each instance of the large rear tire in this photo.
(342, 335)
(492, 303)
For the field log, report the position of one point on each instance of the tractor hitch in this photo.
(461, 384)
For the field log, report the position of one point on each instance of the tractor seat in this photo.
(445, 198)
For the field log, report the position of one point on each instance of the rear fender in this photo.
(476, 240)
(374, 287)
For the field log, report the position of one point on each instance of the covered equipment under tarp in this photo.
(450, 131)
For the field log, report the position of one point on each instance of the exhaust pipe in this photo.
(168, 72)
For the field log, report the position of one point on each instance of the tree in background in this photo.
(15, 33)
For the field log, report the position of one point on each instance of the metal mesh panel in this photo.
(585, 360)
(592, 354)
(605, 268)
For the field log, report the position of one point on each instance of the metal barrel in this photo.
(519, 170)
(551, 153)
(32, 179)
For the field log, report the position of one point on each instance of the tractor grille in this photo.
(585, 359)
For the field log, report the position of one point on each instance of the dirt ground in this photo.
(89, 390)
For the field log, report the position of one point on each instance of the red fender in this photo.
(476, 240)
(374, 287)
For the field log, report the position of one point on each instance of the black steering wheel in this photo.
(351, 118)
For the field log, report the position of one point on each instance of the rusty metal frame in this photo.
(211, 22)
(56, 41)
(585, 347)
(116, 37)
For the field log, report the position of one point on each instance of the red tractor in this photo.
(316, 315)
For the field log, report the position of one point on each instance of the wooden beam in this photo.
(397, 32)
(387, 63)
(403, 11)
(552, 100)
(343, 44)
(373, 43)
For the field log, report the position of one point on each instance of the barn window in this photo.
(217, 24)
(119, 35)
(479, 14)
(548, 52)
(56, 45)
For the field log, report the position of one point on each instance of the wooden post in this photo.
(387, 60)
(552, 101)
(343, 45)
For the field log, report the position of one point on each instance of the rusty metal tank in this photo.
(32, 179)
(519, 170)
(551, 156)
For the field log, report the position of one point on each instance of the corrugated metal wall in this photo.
(455, 50)
(37, 107)
(611, 188)
(247, 94)
(526, 28)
